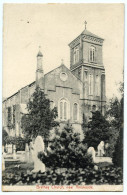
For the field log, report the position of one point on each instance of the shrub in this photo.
(66, 150)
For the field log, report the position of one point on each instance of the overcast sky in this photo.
(53, 27)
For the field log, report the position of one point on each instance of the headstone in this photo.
(92, 152)
(31, 156)
(27, 153)
(101, 149)
(14, 152)
(10, 148)
(38, 147)
(3, 161)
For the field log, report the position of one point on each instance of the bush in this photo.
(78, 176)
(66, 150)
(118, 153)
(4, 136)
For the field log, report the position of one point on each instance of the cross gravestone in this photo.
(38, 147)
(27, 153)
(101, 149)
(14, 152)
(31, 156)
(10, 148)
(91, 152)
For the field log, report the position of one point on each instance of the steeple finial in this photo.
(85, 24)
(62, 61)
(39, 53)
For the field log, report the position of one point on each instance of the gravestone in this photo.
(14, 152)
(92, 152)
(3, 161)
(9, 148)
(27, 153)
(31, 156)
(101, 149)
(38, 147)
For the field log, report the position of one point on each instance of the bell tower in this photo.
(39, 71)
(86, 63)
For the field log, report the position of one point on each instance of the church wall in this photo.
(66, 93)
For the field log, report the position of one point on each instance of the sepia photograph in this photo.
(63, 97)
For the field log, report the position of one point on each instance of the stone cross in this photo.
(91, 152)
(101, 149)
(27, 153)
(85, 24)
(38, 147)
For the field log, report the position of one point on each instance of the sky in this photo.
(53, 27)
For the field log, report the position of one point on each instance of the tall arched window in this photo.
(97, 82)
(63, 109)
(90, 84)
(76, 54)
(92, 54)
(75, 112)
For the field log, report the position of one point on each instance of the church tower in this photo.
(86, 63)
(39, 71)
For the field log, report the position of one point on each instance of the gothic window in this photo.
(14, 110)
(86, 75)
(97, 82)
(90, 84)
(9, 116)
(63, 109)
(76, 54)
(75, 112)
(92, 54)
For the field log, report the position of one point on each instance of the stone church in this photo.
(75, 91)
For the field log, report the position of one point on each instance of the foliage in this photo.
(68, 176)
(66, 150)
(98, 130)
(40, 118)
(18, 141)
(115, 113)
(118, 153)
(4, 136)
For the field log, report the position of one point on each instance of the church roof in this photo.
(86, 32)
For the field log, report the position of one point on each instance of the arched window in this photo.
(76, 54)
(90, 84)
(97, 82)
(63, 109)
(75, 112)
(92, 54)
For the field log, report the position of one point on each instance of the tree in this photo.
(116, 112)
(4, 136)
(40, 118)
(66, 150)
(98, 130)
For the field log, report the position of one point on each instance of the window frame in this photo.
(76, 54)
(77, 112)
(92, 51)
(90, 85)
(63, 101)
